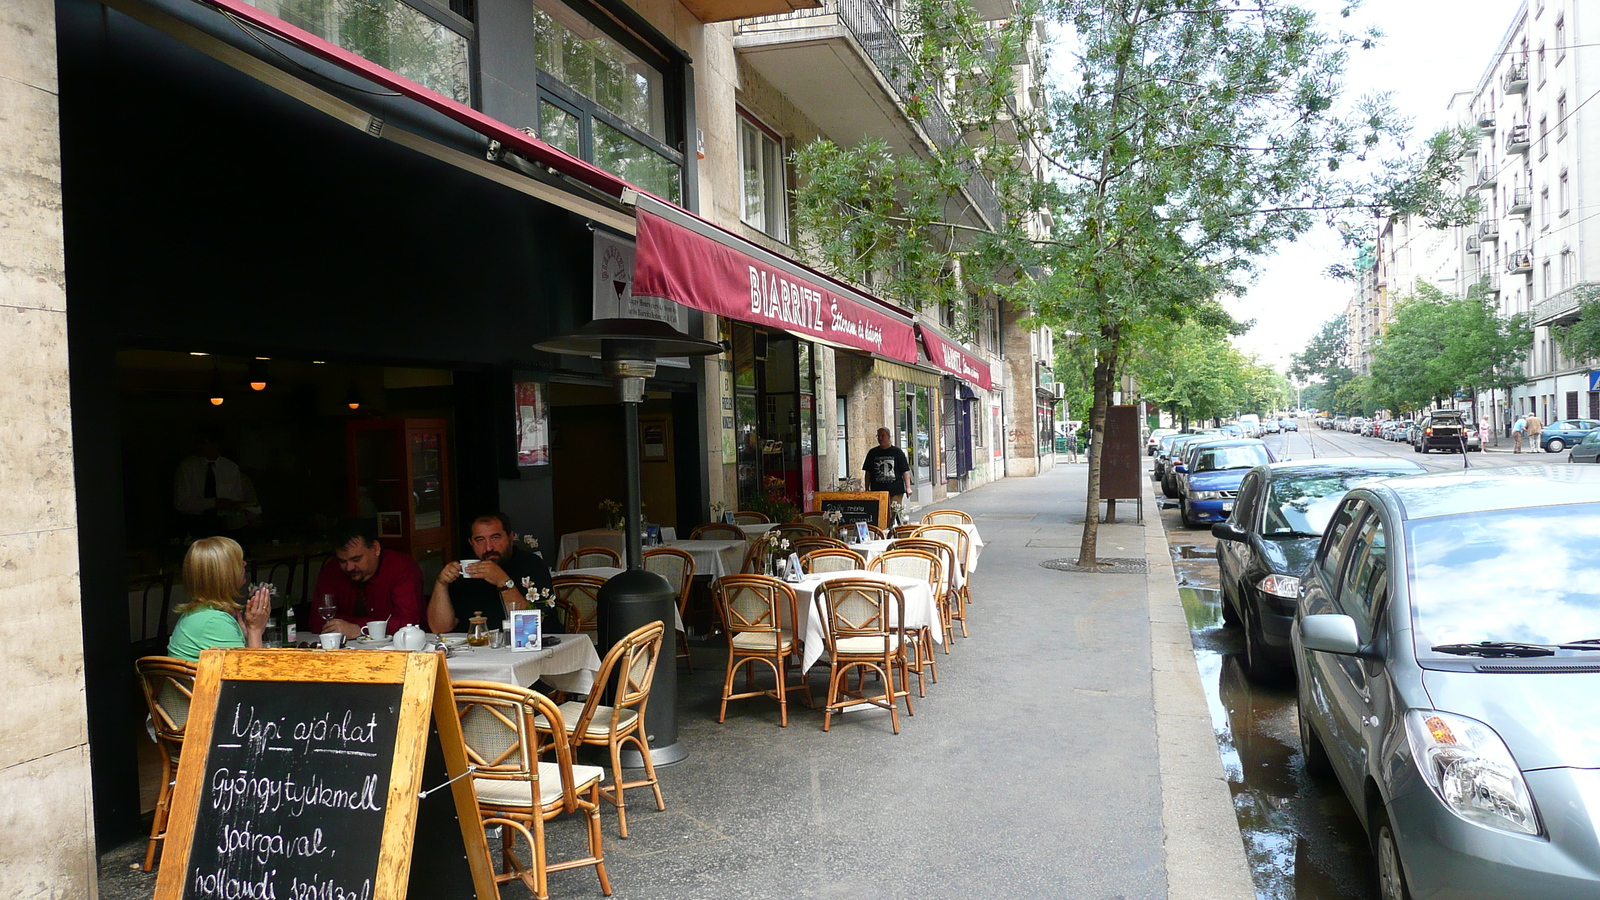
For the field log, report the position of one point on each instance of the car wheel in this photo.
(1311, 750)
(1422, 448)
(1556, 445)
(1391, 874)
(1183, 513)
(1257, 667)
(1230, 619)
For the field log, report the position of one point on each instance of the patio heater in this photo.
(628, 350)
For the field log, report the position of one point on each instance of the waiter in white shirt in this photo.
(206, 485)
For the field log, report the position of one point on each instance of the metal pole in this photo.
(630, 435)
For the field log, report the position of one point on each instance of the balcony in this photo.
(709, 11)
(1474, 244)
(1486, 121)
(848, 70)
(1559, 309)
(1491, 280)
(1488, 177)
(1515, 81)
(1489, 231)
(1521, 202)
(1518, 139)
(1520, 262)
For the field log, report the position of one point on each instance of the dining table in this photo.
(974, 545)
(569, 666)
(573, 541)
(713, 558)
(608, 572)
(921, 611)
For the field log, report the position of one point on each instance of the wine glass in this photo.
(328, 608)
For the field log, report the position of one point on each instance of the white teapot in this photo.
(410, 638)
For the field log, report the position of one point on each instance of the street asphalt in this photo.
(1066, 752)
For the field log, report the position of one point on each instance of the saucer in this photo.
(365, 641)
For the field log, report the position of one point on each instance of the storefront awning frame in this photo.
(955, 359)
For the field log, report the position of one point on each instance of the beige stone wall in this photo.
(46, 821)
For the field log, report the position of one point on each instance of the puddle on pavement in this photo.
(1301, 838)
(1194, 552)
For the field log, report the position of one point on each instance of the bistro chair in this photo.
(950, 606)
(754, 610)
(631, 665)
(860, 637)
(831, 559)
(946, 517)
(750, 517)
(677, 567)
(923, 566)
(903, 531)
(804, 545)
(591, 558)
(794, 530)
(718, 531)
(846, 531)
(957, 540)
(518, 792)
(168, 686)
(578, 598)
(816, 520)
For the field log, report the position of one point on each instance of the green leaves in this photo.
(1436, 344)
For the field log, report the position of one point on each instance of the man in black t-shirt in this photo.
(887, 468)
(491, 585)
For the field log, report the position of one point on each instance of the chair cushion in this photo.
(865, 646)
(599, 726)
(499, 792)
(762, 640)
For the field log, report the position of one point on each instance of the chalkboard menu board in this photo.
(302, 777)
(871, 507)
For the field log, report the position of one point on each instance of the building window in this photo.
(1544, 134)
(1561, 115)
(604, 99)
(1546, 268)
(1561, 38)
(1544, 208)
(426, 43)
(1566, 269)
(1565, 193)
(1543, 65)
(764, 185)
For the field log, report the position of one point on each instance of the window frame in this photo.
(1354, 599)
(747, 119)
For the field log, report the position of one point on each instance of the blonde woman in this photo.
(213, 572)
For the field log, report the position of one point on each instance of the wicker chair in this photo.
(794, 530)
(950, 605)
(750, 517)
(804, 545)
(946, 517)
(590, 558)
(168, 686)
(498, 727)
(755, 560)
(923, 566)
(816, 520)
(958, 541)
(578, 598)
(624, 678)
(904, 531)
(846, 531)
(718, 531)
(677, 567)
(754, 610)
(859, 637)
(831, 559)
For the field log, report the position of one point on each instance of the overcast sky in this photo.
(1430, 50)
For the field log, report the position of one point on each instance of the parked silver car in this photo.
(1448, 651)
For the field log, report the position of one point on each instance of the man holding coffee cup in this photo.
(489, 584)
(368, 584)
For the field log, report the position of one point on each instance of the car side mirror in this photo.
(1180, 468)
(1330, 633)
(1227, 531)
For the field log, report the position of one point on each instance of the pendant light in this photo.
(258, 374)
(214, 392)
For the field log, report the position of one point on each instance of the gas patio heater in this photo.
(628, 350)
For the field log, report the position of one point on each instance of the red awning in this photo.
(689, 266)
(949, 356)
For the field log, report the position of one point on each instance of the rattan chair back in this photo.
(816, 520)
(676, 566)
(860, 607)
(750, 604)
(946, 517)
(945, 553)
(750, 517)
(578, 598)
(625, 674)
(946, 534)
(718, 531)
(804, 545)
(168, 687)
(901, 531)
(590, 558)
(794, 530)
(831, 559)
(864, 631)
(913, 563)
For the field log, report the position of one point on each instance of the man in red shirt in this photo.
(367, 583)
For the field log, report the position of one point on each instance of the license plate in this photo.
(1227, 507)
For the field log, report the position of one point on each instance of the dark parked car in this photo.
(1588, 449)
(1211, 478)
(1448, 652)
(1264, 546)
(1558, 436)
(1446, 429)
(1166, 461)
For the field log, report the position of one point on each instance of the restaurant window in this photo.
(765, 205)
(913, 407)
(607, 99)
(427, 43)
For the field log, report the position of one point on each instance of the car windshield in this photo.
(1304, 504)
(1526, 575)
(1245, 456)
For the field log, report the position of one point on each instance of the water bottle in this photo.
(289, 633)
(269, 635)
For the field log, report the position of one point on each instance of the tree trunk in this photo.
(1105, 366)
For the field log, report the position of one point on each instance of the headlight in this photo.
(1470, 768)
(1281, 586)
(1206, 495)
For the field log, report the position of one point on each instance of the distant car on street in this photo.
(1446, 429)
(1155, 439)
(1558, 436)
(1211, 478)
(1447, 645)
(1588, 449)
(1263, 548)
(1289, 424)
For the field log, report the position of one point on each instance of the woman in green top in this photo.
(213, 572)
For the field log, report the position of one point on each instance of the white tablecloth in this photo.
(603, 537)
(607, 572)
(920, 609)
(569, 666)
(759, 529)
(974, 546)
(714, 558)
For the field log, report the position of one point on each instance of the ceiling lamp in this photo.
(353, 398)
(258, 374)
(214, 394)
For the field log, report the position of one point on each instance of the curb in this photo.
(1203, 849)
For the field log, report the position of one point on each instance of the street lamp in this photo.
(628, 349)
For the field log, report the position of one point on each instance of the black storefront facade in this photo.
(208, 211)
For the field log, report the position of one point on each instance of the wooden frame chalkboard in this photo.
(871, 507)
(302, 773)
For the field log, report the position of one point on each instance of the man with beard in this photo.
(489, 586)
(367, 583)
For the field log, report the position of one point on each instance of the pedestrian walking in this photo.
(1517, 428)
(1534, 428)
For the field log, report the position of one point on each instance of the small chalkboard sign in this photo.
(302, 777)
(871, 507)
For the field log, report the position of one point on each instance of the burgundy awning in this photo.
(949, 356)
(684, 263)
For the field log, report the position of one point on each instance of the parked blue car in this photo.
(1211, 480)
(1558, 436)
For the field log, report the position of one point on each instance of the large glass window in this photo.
(765, 204)
(425, 44)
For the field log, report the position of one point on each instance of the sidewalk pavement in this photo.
(1066, 752)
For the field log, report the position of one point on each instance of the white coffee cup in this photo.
(331, 640)
(464, 564)
(377, 629)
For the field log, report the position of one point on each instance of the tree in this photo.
(1581, 339)
(1325, 362)
(1436, 344)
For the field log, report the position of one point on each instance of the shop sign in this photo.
(949, 356)
(613, 285)
(677, 264)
